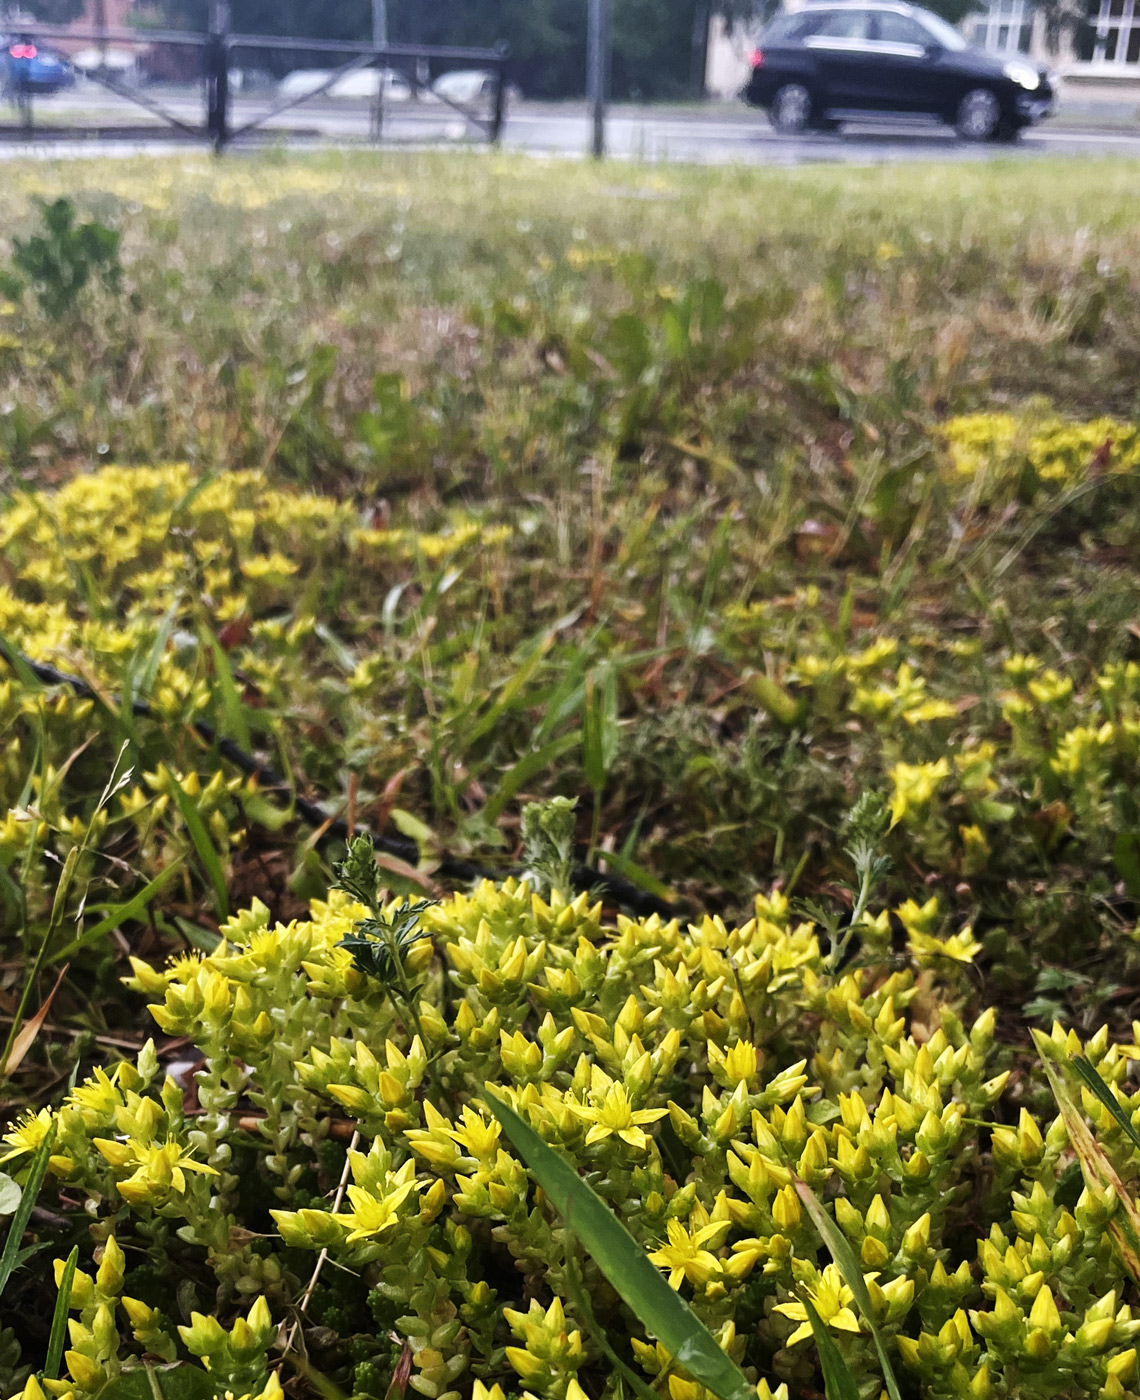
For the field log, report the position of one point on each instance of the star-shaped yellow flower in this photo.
(28, 1133)
(372, 1212)
(158, 1168)
(686, 1257)
(832, 1299)
(615, 1114)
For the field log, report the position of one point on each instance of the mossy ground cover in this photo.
(713, 499)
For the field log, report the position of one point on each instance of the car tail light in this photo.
(23, 51)
(756, 58)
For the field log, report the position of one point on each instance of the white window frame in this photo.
(1015, 16)
(1126, 24)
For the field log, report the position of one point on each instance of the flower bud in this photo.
(1039, 1345)
(1093, 1337)
(109, 1276)
(916, 1240)
(87, 1374)
(786, 1211)
(1122, 1366)
(204, 1336)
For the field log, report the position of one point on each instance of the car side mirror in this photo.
(933, 50)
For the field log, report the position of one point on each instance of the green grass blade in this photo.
(565, 698)
(58, 1338)
(24, 672)
(1096, 1165)
(581, 1300)
(531, 764)
(234, 724)
(849, 1267)
(663, 1312)
(121, 913)
(63, 886)
(8, 1258)
(510, 691)
(838, 1382)
(1092, 1081)
(600, 726)
(62, 889)
(148, 666)
(207, 851)
(638, 875)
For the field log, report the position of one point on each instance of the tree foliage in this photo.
(653, 39)
(55, 11)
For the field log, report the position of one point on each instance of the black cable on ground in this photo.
(450, 868)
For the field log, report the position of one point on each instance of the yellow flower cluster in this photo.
(993, 448)
(142, 541)
(695, 1074)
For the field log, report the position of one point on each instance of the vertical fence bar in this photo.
(379, 41)
(218, 75)
(24, 100)
(598, 66)
(99, 10)
(500, 98)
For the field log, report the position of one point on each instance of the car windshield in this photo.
(944, 33)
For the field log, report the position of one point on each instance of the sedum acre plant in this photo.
(331, 1179)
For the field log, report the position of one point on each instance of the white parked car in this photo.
(466, 85)
(365, 82)
(360, 83)
(303, 81)
(119, 63)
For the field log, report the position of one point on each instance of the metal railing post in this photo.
(218, 76)
(500, 99)
(379, 41)
(24, 100)
(598, 72)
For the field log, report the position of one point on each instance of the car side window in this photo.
(784, 28)
(892, 28)
(844, 24)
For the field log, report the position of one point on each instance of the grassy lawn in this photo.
(785, 520)
(504, 455)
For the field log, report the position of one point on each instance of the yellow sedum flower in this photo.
(610, 1111)
(29, 1132)
(372, 1213)
(156, 1168)
(832, 1299)
(914, 785)
(686, 1255)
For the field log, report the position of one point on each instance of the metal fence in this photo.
(220, 87)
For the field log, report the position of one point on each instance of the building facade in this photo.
(1100, 63)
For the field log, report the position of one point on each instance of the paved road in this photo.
(714, 139)
(749, 139)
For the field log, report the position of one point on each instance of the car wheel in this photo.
(790, 111)
(979, 115)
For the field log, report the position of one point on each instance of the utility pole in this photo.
(598, 72)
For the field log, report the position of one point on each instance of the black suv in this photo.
(826, 64)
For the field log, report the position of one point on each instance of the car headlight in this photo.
(1023, 74)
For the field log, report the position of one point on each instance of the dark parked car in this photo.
(827, 64)
(27, 68)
